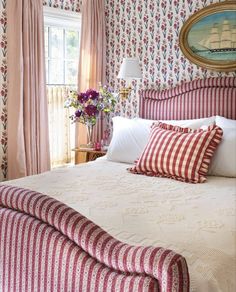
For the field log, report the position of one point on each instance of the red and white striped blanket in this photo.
(47, 246)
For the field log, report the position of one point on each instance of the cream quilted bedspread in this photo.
(198, 221)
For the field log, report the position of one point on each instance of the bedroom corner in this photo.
(117, 145)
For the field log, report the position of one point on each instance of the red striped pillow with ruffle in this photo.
(180, 153)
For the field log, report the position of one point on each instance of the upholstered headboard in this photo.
(196, 99)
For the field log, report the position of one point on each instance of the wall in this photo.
(150, 30)
(147, 29)
(72, 5)
(3, 92)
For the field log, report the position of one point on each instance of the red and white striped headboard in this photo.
(193, 100)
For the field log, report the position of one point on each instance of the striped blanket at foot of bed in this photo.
(47, 246)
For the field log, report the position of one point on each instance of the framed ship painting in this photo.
(208, 38)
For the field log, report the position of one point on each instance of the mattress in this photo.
(196, 220)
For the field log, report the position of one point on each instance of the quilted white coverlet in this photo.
(197, 221)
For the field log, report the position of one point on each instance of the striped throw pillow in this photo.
(179, 153)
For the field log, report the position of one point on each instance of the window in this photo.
(62, 32)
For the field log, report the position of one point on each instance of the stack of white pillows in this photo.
(130, 137)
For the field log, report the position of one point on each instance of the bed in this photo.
(197, 222)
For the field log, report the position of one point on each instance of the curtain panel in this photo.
(28, 142)
(92, 63)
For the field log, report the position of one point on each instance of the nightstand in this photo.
(85, 155)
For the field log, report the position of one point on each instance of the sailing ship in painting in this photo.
(223, 41)
(219, 43)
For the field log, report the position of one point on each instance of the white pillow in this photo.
(224, 160)
(128, 140)
(193, 124)
(225, 123)
(130, 136)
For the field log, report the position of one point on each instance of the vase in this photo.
(89, 128)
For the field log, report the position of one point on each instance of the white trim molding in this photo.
(62, 18)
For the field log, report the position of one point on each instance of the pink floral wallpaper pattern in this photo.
(147, 29)
(72, 5)
(150, 31)
(3, 92)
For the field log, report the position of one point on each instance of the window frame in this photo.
(67, 20)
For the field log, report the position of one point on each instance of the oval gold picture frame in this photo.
(208, 37)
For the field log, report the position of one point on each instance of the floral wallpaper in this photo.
(150, 31)
(72, 5)
(3, 92)
(147, 29)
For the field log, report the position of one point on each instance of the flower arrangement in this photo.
(90, 103)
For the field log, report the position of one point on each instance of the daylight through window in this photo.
(62, 34)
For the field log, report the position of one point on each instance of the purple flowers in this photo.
(89, 94)
(93, 94)
(89, 104)
(82, 97)
(78, 113)
(91, 110)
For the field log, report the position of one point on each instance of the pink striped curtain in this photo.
(28, 142)
(92, 55)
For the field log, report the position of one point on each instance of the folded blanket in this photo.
(47, 246)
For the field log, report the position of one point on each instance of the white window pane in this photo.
(56, 71)
(56, 42)
(72, 44)
(71, 70)
(46, 40)
(47, 81)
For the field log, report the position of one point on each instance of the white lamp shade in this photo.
(130, 69)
